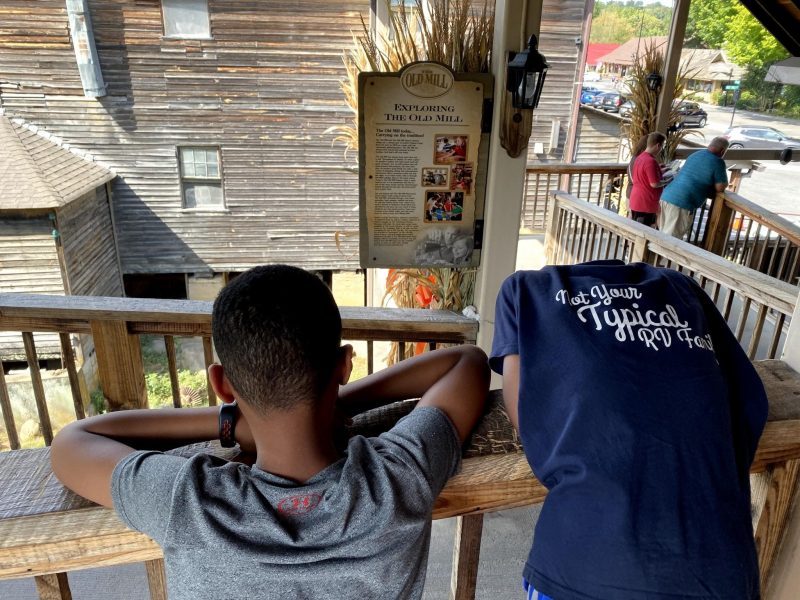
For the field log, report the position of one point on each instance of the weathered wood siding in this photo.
(264, 89)
(562, 22)
(599, 137)
(87, 239)
(29, 265)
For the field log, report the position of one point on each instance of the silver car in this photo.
(759, 137)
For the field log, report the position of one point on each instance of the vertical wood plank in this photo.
(53, 587)
(119, 361)
(68, 360)
(172, 367)
(755, 338)
(8, 416)
(370, 357)
(156, 579)
(466, 554)
(772, 522)
(38, 389)
(208, 358)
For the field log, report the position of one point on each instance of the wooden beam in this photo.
(156, 579)
(677, 31)
(466, 556)
(718, 227)
(774, 516)
(119, 362)
(53, 587)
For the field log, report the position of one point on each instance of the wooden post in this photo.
(718, 226)
(466, 554)
(53, 587)
(156, 579)
(774, 517)
(551, 230)
(677, 31)
(119, 360)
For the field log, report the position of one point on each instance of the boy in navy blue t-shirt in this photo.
(640, 412)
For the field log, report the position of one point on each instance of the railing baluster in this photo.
(774, 255)
(536, 201)
(172, 367)
(208, 358)
(784, 255)
(755, 338)
(715, 294)
(370, 357)
(726, 306)
(8, 415)
(38, 388)
(743, 315)
(776, 336)
(68, 361)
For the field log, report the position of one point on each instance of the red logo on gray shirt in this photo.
(298, 505)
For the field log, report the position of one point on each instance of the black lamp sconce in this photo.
(525, 77)
(654, 81)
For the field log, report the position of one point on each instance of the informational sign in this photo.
(423, 150)
(731, 87)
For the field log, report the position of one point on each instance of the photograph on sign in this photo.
(422, 157)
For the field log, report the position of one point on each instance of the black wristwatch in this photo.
(228, 412)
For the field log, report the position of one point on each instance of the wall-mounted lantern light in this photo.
(525, 77)
(526, 73)
(654, 81)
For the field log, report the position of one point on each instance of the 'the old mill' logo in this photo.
(427, 80)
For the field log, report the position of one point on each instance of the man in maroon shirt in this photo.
(647, 182)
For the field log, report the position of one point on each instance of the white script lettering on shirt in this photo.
(651, 327)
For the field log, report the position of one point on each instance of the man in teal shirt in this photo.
(702, 176)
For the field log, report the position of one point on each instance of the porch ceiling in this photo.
(781, 18)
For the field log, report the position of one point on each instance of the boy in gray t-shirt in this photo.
(306, 520)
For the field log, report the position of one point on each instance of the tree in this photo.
(610, 28)
(747, 42)
(708, 22)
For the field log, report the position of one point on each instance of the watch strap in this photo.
(227, 424)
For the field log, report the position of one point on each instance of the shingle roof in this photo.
(39, 172)
(627, 52)
(709, 65)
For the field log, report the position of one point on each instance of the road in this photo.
(774, 188)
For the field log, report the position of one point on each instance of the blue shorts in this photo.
(532, 594)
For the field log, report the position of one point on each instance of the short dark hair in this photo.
(277, 331)
(656, 138)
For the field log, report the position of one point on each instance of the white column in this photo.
(506, 176)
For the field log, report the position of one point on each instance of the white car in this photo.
(591, 76)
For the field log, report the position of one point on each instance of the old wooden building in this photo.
(213, 114)
(56, 234)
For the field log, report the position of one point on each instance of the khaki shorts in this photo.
(674, 220)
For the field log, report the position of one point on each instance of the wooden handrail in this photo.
(774, 222)
(40, 313)
(772, 292)
(578, 168)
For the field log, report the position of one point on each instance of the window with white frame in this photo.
(201, 177)
(186, 18)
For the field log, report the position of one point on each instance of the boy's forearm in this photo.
(163, 429)
(409, 378)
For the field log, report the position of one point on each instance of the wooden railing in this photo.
(757, 307)
(598, 183)
(113, 327)
(747, 234)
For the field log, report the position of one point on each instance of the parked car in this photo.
(597, 101)
(760, 137)
(588, 94)
(612, 101)
(691, 115)
(626, 108)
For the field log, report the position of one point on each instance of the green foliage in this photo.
(192, 386)
(98, 402)
(617, 22)
(747, 42)
(707, 25)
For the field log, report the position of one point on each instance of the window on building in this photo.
(186, 18)
(201, 179)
